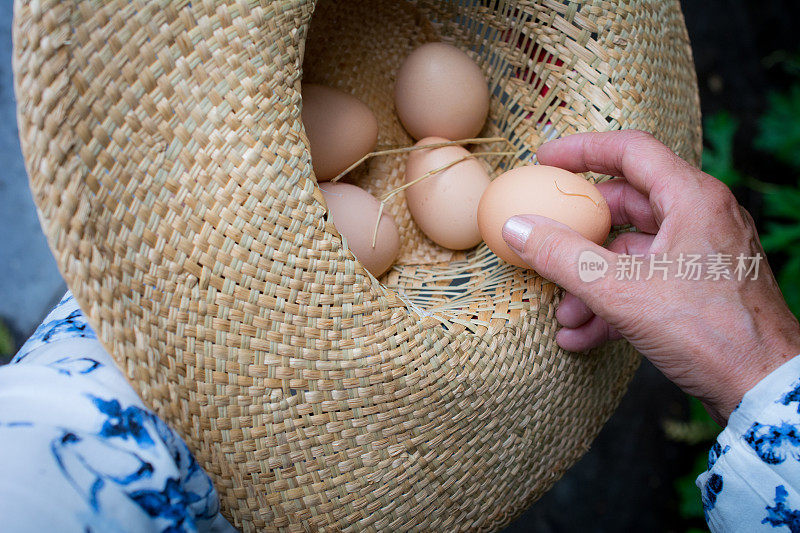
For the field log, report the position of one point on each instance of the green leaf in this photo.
(783, 201)
(789, 281)
(698, 413)
(780, 237)
(720, 130)
(6, 340)
(779, 127)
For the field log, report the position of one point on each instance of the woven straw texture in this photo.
(170, 168)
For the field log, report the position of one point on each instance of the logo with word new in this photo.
(591, 266)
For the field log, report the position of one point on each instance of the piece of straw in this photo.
(415, 147)
(427, 175)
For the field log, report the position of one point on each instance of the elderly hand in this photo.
(715, 338)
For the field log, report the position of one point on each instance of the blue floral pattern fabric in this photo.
(81, 452)
(753, 477)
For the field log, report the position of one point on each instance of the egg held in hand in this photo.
(541, 190)
(341, 129)
(354, 212)
(445, 205)
(441, 92)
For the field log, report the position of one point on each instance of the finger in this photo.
(588, 336)
(554, 250)
(628, 206)
(632, 243)
(572, 312)
(651, 167)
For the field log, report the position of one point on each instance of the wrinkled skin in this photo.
(715, 339)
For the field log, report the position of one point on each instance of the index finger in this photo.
(629, 206)
(647, 164)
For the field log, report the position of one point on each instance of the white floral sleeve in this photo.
(753, 477)
(80, 452)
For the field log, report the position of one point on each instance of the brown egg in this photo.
(341, 129)
(441, 92)
(354, 212)
(541, 190)
(445, 205)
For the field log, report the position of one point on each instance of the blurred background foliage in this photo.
(773, 199)
(778, 138)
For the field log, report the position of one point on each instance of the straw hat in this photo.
(171, 172)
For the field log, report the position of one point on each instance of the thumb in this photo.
(562, 255)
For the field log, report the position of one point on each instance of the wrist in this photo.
(744, 375)
(779, 388)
